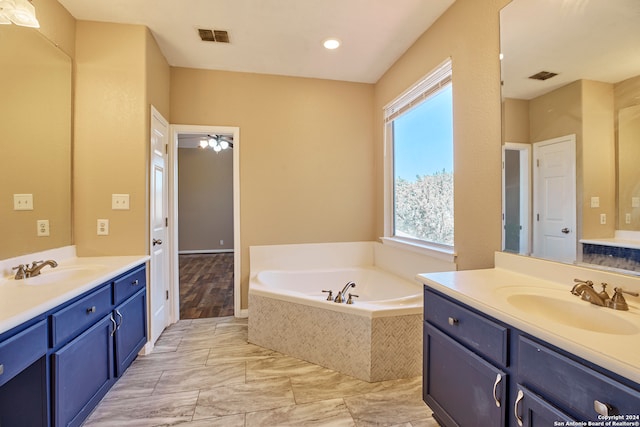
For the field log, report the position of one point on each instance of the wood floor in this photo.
(206, 285)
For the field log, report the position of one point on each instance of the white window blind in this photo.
(422, 90)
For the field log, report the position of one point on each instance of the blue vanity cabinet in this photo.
(82, 373)
(568, 383)
(130, 313)
(531, 410)
(23, 376)
(536, 384)
(464, 380)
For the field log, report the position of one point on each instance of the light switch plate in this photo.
(23, 202)
(43, 227)
(595, 202)
(103, 227)
(120, 201)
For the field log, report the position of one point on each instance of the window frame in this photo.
(431, 83)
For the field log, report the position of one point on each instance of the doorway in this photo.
(516, 193)
(206, 280)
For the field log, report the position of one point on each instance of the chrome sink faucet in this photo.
(24, 271)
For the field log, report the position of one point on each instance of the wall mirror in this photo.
(35, 141)
(570, 70)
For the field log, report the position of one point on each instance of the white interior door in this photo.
(555, 199)
(159, 275)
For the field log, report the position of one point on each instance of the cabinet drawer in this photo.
(70, 321)
(484, 336)
(21, 350)
(129, 284)
(570, 384)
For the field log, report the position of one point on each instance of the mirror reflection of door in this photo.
(516, 196)
(554, 201)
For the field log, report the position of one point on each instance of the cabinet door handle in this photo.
(135, 282)
(453, 321)
(91, 309)
(602, 408)
(1, 369)
(119, 315)
(495, 386)
(115, 325)
(515, 407)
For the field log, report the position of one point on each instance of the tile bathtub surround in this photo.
(371, 349)
(203, 372)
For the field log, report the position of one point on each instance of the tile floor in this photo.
(204, 373)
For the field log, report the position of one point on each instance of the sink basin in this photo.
(571, 311)
(52, 276)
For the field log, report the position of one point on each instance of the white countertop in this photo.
(486, 290)
(21, 301)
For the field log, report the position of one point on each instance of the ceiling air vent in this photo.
(213, 35)
(543, 75)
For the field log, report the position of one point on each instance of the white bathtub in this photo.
(377, 338)
(380, 293)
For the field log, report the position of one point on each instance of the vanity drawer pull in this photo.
(135, 282)
(453, 321)
(91, 309)
(602, 408)
(495, 386)
(515, 407)
(1, 369)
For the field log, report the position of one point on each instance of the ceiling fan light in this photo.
(204, 143)
(23, 13)
(224, 144)
(217, 148)
(213, 143)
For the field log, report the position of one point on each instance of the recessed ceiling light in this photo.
(331, 43)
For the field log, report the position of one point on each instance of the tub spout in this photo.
(340, 297)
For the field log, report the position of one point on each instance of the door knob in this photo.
(565, 230)
(157, 242)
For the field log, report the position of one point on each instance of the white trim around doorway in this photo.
(173, 212)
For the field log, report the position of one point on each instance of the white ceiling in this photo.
(281, 37)
(578, 39)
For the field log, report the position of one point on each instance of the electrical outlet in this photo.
(43, 227)
(603, 219)
(120, 201)
(595, 202)
(23, 202)
(635, 202)
(221, 242)
(627, 218)
(103, 227)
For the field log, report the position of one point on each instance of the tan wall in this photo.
(515, 120)
(598, 159)
(306, 157)
(468, 32)
(205, 199)
(111, 137)
(57, 24)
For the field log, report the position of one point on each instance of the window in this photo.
(419, 162)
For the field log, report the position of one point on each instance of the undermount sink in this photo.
(569, 310)
(52, 276)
